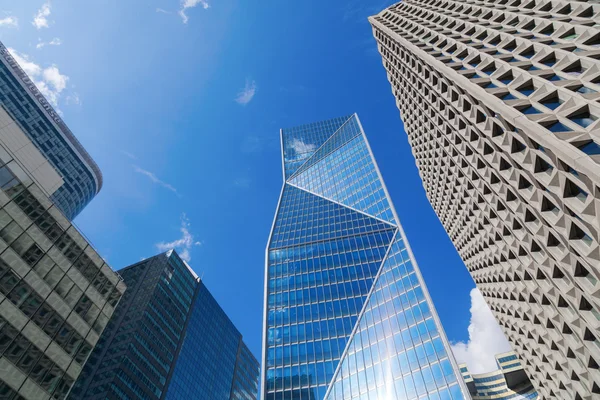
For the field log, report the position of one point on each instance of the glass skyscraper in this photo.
(168, 339)
(347, 314)
(80, 177)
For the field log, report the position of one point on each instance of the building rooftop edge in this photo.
(51, 114)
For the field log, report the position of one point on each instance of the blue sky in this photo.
(181, 101)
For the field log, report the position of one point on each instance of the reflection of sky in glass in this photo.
(336, 251)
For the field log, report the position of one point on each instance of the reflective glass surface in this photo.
(347, 315)
(214, 362)
(80, 185)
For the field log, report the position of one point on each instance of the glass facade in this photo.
(509, 382)
(214, 362)
(25, 104)
(347, 315)
(56, 293)
(169, 339)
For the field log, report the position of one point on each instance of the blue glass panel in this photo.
(558, 127)
(590, 148)
(395, 339)
(299, 143)
(348, 176)
(304, 217)
(330, 241)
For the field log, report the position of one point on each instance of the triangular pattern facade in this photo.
(341, 285)
(347, 175)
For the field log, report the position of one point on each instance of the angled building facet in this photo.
(347, 314)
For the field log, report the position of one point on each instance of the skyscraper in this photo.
(509, 382)
(169, 339)
(80, 177)
(499, 101)
(56, 292)
(347, 314)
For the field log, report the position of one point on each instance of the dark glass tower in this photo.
(169, 339)
(347, 314)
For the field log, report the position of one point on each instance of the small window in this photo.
(584, 119)
(552, 103)
(558, 127)
(590, 148)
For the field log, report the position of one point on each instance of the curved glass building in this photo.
(347, 314)
(509, 382)
(31, 112)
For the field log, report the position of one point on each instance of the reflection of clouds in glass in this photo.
(300, 147)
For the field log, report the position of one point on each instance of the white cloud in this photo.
(49, 81)
(154, 179)
(252, 144)
(300, 147)
(242, 182)
(160, 10)
(73, 99)
(246, 95)
(130, 155)
(9, 21)
(185, 4)
(184, 244)
(40, 20)
(53, 42)
(486, 338)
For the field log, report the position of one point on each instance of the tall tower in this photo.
(346, 310)
(500, 104)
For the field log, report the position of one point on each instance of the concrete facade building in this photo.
(509, 382)
(168, 339)
(500, 103)
(56, 292)
(347, 314)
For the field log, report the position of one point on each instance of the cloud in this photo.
(486, 339)
(9, 21)
(49, 81)
(251, 144)
(154, 179)
(162, 11)
(300, 147)
(129, 155)
(53, 42)
(73, 99)
(242, 182)
(184, 244)
(40, 20)
(185, 4)
(246, 95)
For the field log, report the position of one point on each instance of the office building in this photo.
(508, 382)
(56, 292)
(500, 104)
(347, 314)
(79, 178)
(168, 339)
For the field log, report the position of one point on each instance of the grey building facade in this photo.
(169, 339)
(56, 292)
(499, 100)
(81, 178)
